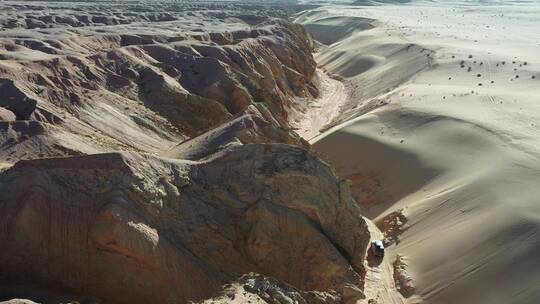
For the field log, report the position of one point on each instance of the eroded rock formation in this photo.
(134, 228)
(255, 288)
(147, 157)
(162, 75)
(404, 281)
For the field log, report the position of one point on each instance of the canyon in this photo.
(149, 155)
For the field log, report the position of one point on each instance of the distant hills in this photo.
(377, 2)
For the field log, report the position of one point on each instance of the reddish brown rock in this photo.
(393, 225)
(404, 282)
(132, 228)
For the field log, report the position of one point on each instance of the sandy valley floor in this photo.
(449, 138)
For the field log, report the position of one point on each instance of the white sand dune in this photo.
(370, 63)
(457, 151)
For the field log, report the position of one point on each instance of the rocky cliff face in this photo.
(145, 160)
(135, 228)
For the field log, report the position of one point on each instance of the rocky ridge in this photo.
(149, 84)
(171, 230)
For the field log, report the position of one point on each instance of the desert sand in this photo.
(440, 139)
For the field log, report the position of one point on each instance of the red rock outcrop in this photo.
(133, 228)
(404, 281)
(393, 225)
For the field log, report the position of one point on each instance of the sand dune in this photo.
(370, 63)
(329, 30)
(452, 145)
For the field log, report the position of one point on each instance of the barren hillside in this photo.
(147, 156)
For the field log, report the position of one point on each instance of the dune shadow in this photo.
(380, 174)
(333, 29)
